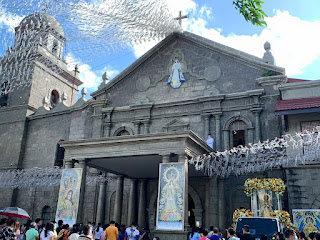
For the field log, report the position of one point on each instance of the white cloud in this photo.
(294, 42)
(9, 20)
(91, 78)
(292, 39)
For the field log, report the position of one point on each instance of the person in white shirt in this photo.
(47, 234)
(210, 141)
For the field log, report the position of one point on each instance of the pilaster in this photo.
(142, 203)
(83, 165)
(118, 200)
(182, 158)
(217, 117)
(101, 202)
(132, 202)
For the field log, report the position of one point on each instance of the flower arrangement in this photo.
(273, 184)
(241, 213)
(284, 218)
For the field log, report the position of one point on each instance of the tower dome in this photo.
(41, 21)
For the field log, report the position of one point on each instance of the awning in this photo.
(297, 106)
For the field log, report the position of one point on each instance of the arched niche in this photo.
(230, 129)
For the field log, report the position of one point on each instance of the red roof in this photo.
(293, 80)
(300, 103)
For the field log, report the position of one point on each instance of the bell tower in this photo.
(35, 68)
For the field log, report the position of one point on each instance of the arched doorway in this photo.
(191, 216)
(46, 214)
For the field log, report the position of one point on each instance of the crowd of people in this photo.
(12, 230)
(231, 234)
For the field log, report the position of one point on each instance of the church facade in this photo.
(160, 109)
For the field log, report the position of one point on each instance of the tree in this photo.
(251, 11)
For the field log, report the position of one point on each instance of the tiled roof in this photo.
(301, 103)
(293, 80)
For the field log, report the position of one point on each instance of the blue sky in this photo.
(293, 31)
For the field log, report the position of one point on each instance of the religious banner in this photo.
(306, 220)
(69, 193)
(170, 207)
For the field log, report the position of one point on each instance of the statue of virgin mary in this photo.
(176, 76)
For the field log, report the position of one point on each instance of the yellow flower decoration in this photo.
(273, 184)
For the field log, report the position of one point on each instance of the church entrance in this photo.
(191, 216)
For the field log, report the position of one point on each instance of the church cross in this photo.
(181, 17)
(45, 9)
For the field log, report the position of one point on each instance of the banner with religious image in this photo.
(170, 207)
(306, 220)
(69, 193)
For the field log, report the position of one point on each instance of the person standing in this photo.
(85, 233)
(289, 234)
(8, 232)
(232, 234)
(194, 235)
(32, 233)
(39, 225)
(112, 232)
(59, 228)
(246, 233)
(74, 232)
(132, 233)
(47, 234)
(215, 235)
(98, 231)
(210, 141)
(205, 235)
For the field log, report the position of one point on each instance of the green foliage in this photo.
(251, 11)
(270, 73)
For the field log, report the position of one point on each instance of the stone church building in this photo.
(138, 120)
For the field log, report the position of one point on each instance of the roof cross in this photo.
(46, 8)
(181, 17)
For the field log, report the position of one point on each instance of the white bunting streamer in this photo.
(56, 32)
(289, 150)
(41, 177)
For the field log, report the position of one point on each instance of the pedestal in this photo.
(171, 235)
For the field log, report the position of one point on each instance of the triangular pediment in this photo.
(195, 40)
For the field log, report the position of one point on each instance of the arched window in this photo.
(59, 156)
(55, 47)
(54, 98)
(46, 214)
(238, 133)
(123, 133)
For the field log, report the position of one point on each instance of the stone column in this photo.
(257, 134)
(83, 165)
(226, 136)
(206, 125)
(146, 125)
(221, 204)
(137, 127)
(182, 158)
(218, 132)
(107, 130)
(101, 202)
(142, 203)
(118, 200)
(132, 202)
(68, 163)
